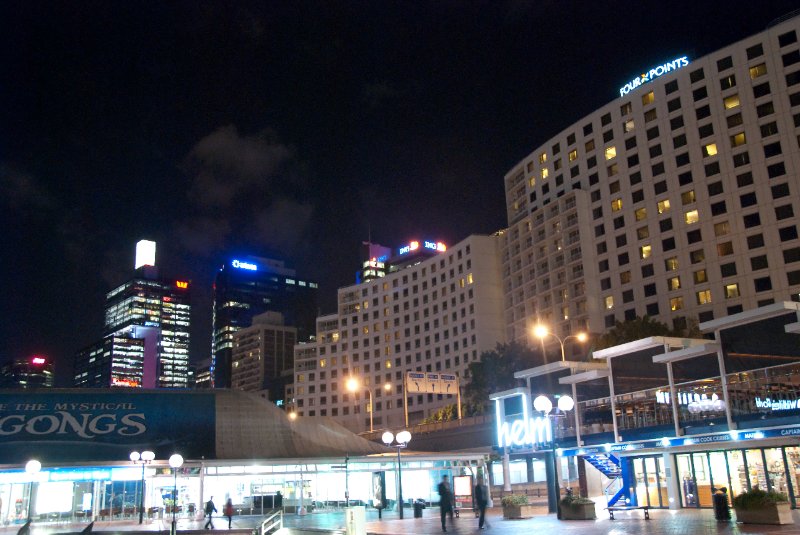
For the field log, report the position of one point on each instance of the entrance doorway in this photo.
(651, 482)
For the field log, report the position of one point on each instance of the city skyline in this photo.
(295, 132)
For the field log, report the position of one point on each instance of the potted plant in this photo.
(516, 506)
(758, 506)
(577, 508)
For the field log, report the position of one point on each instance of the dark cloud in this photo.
(282, 225)
(20, 190)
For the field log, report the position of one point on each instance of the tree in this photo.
(445, 414)
(645, 327)
(494, 372)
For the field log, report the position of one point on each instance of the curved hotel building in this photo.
(677, 200)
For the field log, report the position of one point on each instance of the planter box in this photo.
(517, 511)
(578, 512)
(777, 514)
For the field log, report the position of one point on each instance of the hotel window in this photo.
(696, 76)
(611, 152)
(648, 98)
(722, 228)
(612, 169)
(676, 303)
(573, 155)
(725, 249)
(645, 251)
(642, 233)
(587, 129)
(650, 115)
(679, 141)
(625, 277)
(706, 130)
(691, 217)
(731, 290)
(700, 276)
(688, 197)
(731, 102)
(640, 214)
(727, 82)
(671, 264)
(627, 126)
(758, 70)
(761, 90)
(702, 112)
(724, 63)
(663, 206)
(671, 87)
(545, 173)
(676, 122)
(616, 205)
(614, 187)
(738, 139)
(700, 93)
(557, 164)
(697, 256)
(743, 158)
(769, 129)
(755, 51)
(625, 109)
(589, 145)
(787, 38)
(543, 157)
(734, 120)
(703, 297)
(674, 104)
(605, 119)
(673, 283)
(710, 149)
(609, 302)
(765, 109)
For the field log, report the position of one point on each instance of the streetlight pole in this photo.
(403, 438)
(144, 458)
(544, 405)
(175, 462)
(541, 332)
(32, 468)
(353, 385)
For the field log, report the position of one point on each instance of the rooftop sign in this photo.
(430, 245)
(239, 264)
(652, 74)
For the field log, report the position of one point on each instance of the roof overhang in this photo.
(554, 367)
(584, 377)
(687, 353)
(646, 343)
(751, 316)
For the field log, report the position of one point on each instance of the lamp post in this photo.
(541, 332)
(353, 385)
(32, 468)
(544, 405)
(400, 441)
(144, 458)
(175, 462)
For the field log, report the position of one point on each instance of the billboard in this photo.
(74, 426)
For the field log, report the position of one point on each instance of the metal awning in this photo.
(584, 377)
(688, 353)
(553, 367)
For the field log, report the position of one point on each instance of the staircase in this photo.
(609, 466)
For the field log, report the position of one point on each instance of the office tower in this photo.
(263, 356)
(31, 372)
(147, 321)
(246, 287)
(678, 200)
(374, 260)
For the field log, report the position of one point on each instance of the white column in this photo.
(506, 471)
(671, 471)
(723, 378)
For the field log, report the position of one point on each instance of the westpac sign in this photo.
(515, 425)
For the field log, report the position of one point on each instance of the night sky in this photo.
(286, 129)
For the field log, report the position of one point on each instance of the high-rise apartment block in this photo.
(678, 200)
(31, 372)
(246, 287)
(436, 313)
(147, 322)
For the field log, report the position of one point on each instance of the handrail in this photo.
(270, 522)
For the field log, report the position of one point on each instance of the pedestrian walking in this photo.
(228, 511)
(445, 502)
(481, 500)
(210, 510)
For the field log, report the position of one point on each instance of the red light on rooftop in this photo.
(38, 360)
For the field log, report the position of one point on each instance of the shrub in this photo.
(757, 498)
(572, 500)
(514, 499)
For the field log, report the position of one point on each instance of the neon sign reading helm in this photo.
(244, 265)
(523, 430)
(652, 74)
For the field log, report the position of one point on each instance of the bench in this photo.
(645, 508)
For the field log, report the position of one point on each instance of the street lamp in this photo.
(400, 441)
(144, 458)
(544, 405)
(541, 332)
(353, 385)
(175, 462)
(32, 468)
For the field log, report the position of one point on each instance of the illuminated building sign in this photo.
(652, 74)
(238, 264)
(518, 428)
(182, 284)
(38, 360)
(778, 404)
(431, 245)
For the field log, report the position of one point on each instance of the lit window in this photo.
(731, 102)
(625, 277)
(648, 98)
(674, 283)
(545, 172)
(627, 126)
(589, 146)
(645, 251)
(691, 217)
(663, 206)
(710, 149)
(700, 276)
(758, 70)
(731, 290)
(610, 302)
(470, 280)
(642, 233)
(611, 152)
(640, 214)
(616, 205)
(722, 228)
(613, 169)
(671, 264)
(738, 139)
(725, 249)
(688, 197)
(703, 297)
(543, 157)
(573, 155)
(676, 303)
(387, 364)
(323, 363)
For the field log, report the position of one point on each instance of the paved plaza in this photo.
(662, 522)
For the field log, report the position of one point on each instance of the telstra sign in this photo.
(519, 429)
(238, 264)
(652, 74)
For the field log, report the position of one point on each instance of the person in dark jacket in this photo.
(210, 510)
(481, 499)
(445, 502)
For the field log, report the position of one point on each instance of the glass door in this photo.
(651, 486)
